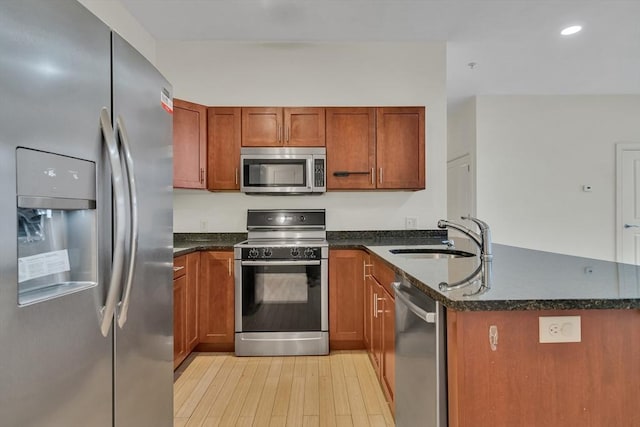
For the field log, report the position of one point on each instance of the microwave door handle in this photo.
(310, 174)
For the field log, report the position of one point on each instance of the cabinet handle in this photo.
(279, 134)
(178, 268)
(364, 269)
(287, 132)
(380, 175)
(201, 175)
(375, 305)
(493, 337)
(373, 177)
(236, 176)
(229, 266)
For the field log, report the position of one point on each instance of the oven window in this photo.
(275, 173)
(281, 298)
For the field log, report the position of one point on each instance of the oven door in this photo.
(282, 296)
(276, 174)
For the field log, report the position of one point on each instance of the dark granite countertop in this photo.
(523, 279)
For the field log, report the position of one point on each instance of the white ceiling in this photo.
(515, 43)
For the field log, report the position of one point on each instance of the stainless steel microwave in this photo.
(283, 170)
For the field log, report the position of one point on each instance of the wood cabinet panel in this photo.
(304, 127)
(216, 300)
(189, 144)
(388, 370)
(592, 383)
(277, 127)
(351, 147)
(179, 324)
(262, 126)
(346, 299)
(223, 148)
(400, 145)
(192, 295)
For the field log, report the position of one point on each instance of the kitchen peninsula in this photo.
(518, 380)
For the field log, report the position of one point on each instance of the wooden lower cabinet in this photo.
(346, 296)
(216, 310)
(179, 320)
(193, 287)
(522, 382)
(379, 322)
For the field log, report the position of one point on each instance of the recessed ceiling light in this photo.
(571, 30)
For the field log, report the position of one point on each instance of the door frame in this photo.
(621, 147)
(454, 163)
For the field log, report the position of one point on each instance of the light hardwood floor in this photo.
(219, 389)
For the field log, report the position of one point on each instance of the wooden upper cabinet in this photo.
(400, 144)
(351, 148)
(189, 144)
(223, 148)
(261, 126)
(304, 127)
(277, 127)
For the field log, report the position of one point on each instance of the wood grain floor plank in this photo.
(341, 389)
(340, 397)
(189, 405)
(281, 403)
(295, 413)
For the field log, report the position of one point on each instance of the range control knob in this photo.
(253, 253)
(309, 253)
(266, 252)
(295, 252)
(302, 218)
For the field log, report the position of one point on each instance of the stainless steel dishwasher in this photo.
(421, 381)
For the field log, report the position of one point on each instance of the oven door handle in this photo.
(280, 262)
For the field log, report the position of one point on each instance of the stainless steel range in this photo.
(282, 289)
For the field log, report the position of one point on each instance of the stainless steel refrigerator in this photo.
(86, 293)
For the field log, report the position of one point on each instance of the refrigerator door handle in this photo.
(115, 282)
(133, 206)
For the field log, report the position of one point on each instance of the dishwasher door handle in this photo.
(428, 317)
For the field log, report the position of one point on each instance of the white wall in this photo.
(309, 74)
(534, 153)
(116, 16)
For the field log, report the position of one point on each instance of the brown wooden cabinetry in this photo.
(346, 298)
(216, 311)
(185, 305)
(223, 148)
(400, 147)
(189, 144)
(277, 126)
(520, 381)
(376, 148)
(379, 324)
(351, 148)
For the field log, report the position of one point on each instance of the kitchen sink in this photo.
(431, 253)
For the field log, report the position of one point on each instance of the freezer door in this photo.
(144, 338)
(55, 364)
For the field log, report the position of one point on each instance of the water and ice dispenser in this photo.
(57, 225)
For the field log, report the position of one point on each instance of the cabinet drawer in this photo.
(383, 274)
(179, 266)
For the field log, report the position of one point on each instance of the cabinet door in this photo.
(223, 148)
(388, 370)
(262, 127)
(304, 127)
(179, 326)
(192, 295)
(189, 144)
(400, 155)
(351, 148)
(216, 299)
(346, 299)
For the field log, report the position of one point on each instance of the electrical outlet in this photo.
(559, 329)
(410, 222)
(203, 225)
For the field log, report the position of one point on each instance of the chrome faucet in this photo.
(483, 240)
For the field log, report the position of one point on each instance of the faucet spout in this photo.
(483, 240)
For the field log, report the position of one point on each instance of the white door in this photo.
(460, 188)
(628, 203)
